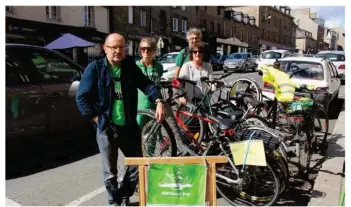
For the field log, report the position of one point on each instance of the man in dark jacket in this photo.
(107, 94)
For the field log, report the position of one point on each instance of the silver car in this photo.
(239, 61)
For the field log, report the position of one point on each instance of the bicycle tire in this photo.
(253, 199)
(167, 128)
(282, 147)
(251, 81)
(323, 145)
(201, 124)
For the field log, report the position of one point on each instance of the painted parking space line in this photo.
(87, 197)
(10, 202)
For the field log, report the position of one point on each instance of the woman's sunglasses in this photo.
(197, 51)
(146, 48)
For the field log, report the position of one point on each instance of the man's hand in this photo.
(160, 112)
(95, 119)
(183, 100)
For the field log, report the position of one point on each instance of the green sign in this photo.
(176, 184)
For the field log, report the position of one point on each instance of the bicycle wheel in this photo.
(194, 125)
(321, 128)
(157, 138)
(275, 152)
(262, 124)
(261, 185)
(246, 85)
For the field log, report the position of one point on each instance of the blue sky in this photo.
(334, 16)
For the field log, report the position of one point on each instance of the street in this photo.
(71, 174)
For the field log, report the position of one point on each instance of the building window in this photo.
(205, 8)
(163, 20)
(184, 26)
(218, 29)
(197, 9)
(262, 33)
(204, 22)
(89, 16)
(219, 10)
(232, 33)
(242, 34)
(53, 12)
(143, 18)
(175, 24)
(130, 15)
(184, 8)
(212, 27)
(247, 36)
(10, 9)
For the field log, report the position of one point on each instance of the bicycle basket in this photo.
(270, 142)
(302, 105)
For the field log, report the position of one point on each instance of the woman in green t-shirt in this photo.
(152, 69)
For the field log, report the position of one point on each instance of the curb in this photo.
(328, 185)
(10, 202)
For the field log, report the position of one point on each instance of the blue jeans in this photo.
(127, 138)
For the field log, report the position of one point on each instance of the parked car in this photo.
(255, 58)
(168, 62)
(40, 92)
(338, 58)
(239, 61)
(268, 57)
(321, 73)
(215, 63)
(222, 58)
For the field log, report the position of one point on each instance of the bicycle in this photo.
(302, 124)
(220, 139)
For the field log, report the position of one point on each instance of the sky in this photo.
(334, 16)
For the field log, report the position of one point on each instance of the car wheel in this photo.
(245, 69)
(225, 70)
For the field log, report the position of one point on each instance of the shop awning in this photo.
(69, 41)
(233, 41)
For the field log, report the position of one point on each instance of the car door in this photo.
(26, 111)
(58, 77)
(247, 59)
(335, 78)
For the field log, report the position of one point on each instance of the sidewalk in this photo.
(328, 185)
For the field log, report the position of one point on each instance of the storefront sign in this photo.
(176, 184)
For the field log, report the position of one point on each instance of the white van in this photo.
(269, 57)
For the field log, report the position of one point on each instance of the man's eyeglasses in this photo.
(146, 48)
(194, 38)
(115, 48)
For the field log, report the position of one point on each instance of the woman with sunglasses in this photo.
(152, 69)
(194, 70)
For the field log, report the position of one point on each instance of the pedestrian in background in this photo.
(107, 94)
(194, 36)
(194, 70)
(152, 69)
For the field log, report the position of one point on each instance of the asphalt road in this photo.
(70, 173)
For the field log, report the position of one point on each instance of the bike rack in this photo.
(211, 161)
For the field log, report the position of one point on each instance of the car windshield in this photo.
(333, 56)
(169, 58)
(271, 55)
(312, 70)
(237, 56)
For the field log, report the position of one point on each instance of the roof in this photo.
(24, 45)
(331, 51)
(305, 59)
(276, 51)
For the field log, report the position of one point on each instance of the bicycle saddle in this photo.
(224, 124)
(233, 115)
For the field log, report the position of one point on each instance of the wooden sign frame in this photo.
(210, 161)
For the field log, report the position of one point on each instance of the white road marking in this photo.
(10, 202)
(87, 197)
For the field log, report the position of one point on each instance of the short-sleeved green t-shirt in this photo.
(118, 114)
(180, 57)
(154, 73)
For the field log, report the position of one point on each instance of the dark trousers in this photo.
(127, 138)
